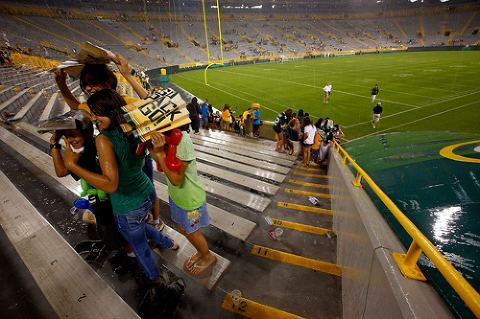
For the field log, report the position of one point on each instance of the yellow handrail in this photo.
(408, 262)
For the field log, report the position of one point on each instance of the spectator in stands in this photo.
(217, 118)
(374, 92)
(96, 77)
(308, 139)
(205, 114)
(187, 199)
(82, 139)
(294, 136)
(248, 111)
(226, 115)
(337, 133)
(194, 110)
(300, 115)
(325, 146)
(326, 92)
(238, 125)
(131, 192)
(377, 110)
(318, 124)
(316, 146)
(327, 125)
(279, 127)
(256, 120)
(210, 114)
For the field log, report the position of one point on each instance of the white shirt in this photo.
(310, 129)
(327, 88)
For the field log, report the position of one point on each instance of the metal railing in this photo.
(408, 262)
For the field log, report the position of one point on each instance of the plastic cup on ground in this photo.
(278, 232)
(236, 296)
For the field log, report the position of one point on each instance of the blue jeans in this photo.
(134, 229)
(148, 167)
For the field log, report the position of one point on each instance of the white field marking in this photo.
(402, 75)
(317, 87)
(424, 118)
(238, 97)
(375, 69)
(433, 70)
(397, 92)
(367, 81)
(457, 66)
(422, 96)
(395, 114)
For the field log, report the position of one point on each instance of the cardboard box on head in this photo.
(72, 120)
(89, 54)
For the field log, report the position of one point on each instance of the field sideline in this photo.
(418, 91)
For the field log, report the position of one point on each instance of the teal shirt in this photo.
(134, 186)
(189, 194)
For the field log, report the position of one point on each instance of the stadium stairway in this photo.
(270, 230)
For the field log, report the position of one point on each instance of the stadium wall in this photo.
(444, 48)
(372, 284)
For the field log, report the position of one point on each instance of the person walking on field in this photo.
(326, 92)
(374, 93)
(377, 110)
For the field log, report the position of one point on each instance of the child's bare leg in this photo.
(197, 263)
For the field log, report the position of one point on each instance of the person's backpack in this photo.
(162, 300)
(236, 125)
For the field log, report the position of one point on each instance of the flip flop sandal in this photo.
(186, 263)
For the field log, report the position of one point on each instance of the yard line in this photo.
(457, 97)
(244, 92)
(216, 88)
(316, 87)
(423, 118)
(386, 90)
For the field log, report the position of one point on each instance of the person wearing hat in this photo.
(256, 120)
(377, 110)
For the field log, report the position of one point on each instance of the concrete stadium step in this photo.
(258, 172)
(242, 180)
(229, 147)
(226, 138)
(49, 107)
(247, 159)
(62, 275)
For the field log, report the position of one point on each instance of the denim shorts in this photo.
(190, 220)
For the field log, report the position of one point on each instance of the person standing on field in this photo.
(326, 92)
(374, 92)
(377, 110)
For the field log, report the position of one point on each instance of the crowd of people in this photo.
(297, 134)
(202, 114)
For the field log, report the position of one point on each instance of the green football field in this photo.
(418, 91)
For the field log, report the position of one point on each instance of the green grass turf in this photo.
(418, 91)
